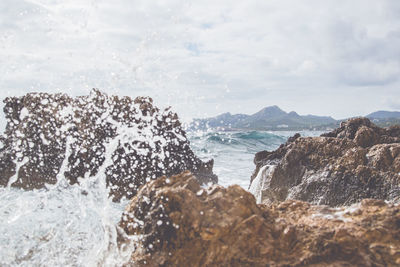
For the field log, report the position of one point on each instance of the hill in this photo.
(268, 118)
(382, 114)
(384, 118)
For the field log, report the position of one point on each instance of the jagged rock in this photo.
(182, 224)
(356, 161)
(365, 133)
(127, 140)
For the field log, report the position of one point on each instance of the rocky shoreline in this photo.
(331, 200)
(353, 171)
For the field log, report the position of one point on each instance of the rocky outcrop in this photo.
(356, 161)
(129, 141)
(366, 134)
(182, 224)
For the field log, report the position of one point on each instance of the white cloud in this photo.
(310, 56)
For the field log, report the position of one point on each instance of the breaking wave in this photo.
(233, 152)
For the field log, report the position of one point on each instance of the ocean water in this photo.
(76, 225)
(233, 152)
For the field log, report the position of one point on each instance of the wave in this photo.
(233, 152)
(256, 135)
(251, 141)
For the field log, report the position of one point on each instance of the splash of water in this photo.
(63, 224)
(258, 184)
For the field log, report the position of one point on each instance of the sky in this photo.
(336, 58)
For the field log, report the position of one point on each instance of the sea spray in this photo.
(63, 224)
(77, 156)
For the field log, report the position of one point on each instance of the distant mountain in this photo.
(382, 114)
(269, 118)
(223, 120)
(384, 118)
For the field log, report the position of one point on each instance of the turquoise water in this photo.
(233, 152)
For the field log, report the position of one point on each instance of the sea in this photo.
(61, 226)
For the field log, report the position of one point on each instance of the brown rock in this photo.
(356, 161)
(182, 224)
(365, 133)
(128, 140)
(366, 137)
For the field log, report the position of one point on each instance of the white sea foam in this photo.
(63, 224)
(258, 183)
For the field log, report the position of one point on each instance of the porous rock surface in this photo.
(182, 224)
(356, 161)
(126, 140)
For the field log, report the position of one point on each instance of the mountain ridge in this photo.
(383, 114)
(268, 118)
(274, 118)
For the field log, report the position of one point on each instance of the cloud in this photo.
(207, 57)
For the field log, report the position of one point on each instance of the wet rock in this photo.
(182, 224)
(356, 161)
(126, 140)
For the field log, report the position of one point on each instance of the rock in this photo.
(182, 224)
(356, 161)
(365, 133)
(126, 140)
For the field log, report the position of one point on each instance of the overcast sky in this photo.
(339, 58)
